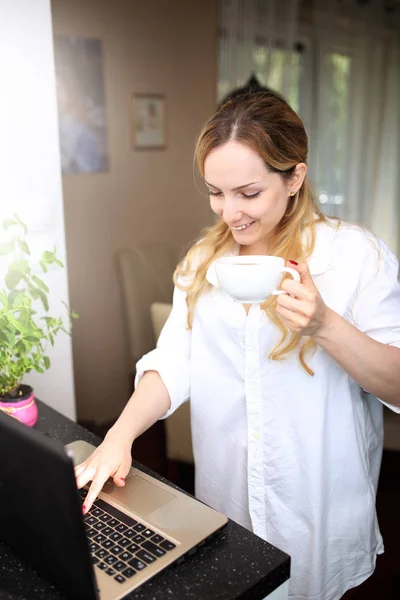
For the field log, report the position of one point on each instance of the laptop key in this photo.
(139, 527)
(119, 578)
(99, 538)
(147, 533)
(101, 566)
(90, 532)
(97, 512)
(102, 553)
(124, 542)
(107, 544)
(113, 523)
(125, 556)
(105, 518)
(156, 550)
(116, 549)
(110, 560)
(119, 565)
(121, 528)
(145, 556)
(117, 514)
(115, 536)
(107, 530)
(129, 572)
(137, 564)
(89, 520)
(133, 548)
(94, 560)
(138, 539)
(157, 539)
(167, 545)
(110, 571)
(130, 533)
(93, 547)
(99, 526)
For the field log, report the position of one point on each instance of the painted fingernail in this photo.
(84, 510)
(122, 479)
(293, 262)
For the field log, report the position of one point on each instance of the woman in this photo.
(287, 432)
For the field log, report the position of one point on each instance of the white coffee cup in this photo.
(252, 279)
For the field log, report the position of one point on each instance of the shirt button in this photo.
(256, 436)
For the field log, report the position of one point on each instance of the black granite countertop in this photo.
(235, 565)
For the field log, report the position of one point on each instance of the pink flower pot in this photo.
(24, 409)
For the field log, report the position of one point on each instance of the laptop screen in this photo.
(40, 509)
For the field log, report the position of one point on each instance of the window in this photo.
(330, 165)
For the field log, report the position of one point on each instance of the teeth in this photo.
(243, 226)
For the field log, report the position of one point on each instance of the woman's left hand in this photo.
(302, 309)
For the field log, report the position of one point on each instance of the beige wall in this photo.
(167, 47)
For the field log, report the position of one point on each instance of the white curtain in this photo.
(257, 37)
(337, 62)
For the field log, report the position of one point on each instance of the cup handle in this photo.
(295, 274)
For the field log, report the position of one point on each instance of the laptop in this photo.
(129, 535)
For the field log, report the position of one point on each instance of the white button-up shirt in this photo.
(292, 457)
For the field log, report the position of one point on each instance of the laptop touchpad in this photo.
(138, 495)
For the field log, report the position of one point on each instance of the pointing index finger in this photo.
(94, 490)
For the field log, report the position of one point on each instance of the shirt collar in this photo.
(319, 262)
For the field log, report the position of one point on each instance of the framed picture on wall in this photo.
(82, 115)
(149, 121)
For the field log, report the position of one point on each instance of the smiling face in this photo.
(246, 195)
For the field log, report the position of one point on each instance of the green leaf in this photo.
(74, 315)
(23, 246)
(6, 248)
(7, 223)
(44, 268)
(10, 339)
(58, 262)
(13, 278)
(24, 227)
(46, 361)
(48, 257)
(40, 284)
(20, 265)
(27, 345)
(15, 323)
(49, 320)
(34, 292)
(12, 297)
(43, 298)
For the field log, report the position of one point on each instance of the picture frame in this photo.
(81, 100)
(149, 129)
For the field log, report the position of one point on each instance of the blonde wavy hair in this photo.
(268, 125)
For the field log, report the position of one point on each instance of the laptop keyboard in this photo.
(121, 546)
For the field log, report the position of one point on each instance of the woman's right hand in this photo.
(111, 459)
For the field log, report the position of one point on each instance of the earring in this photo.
(292, 193)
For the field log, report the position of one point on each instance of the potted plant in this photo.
(26, 328)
